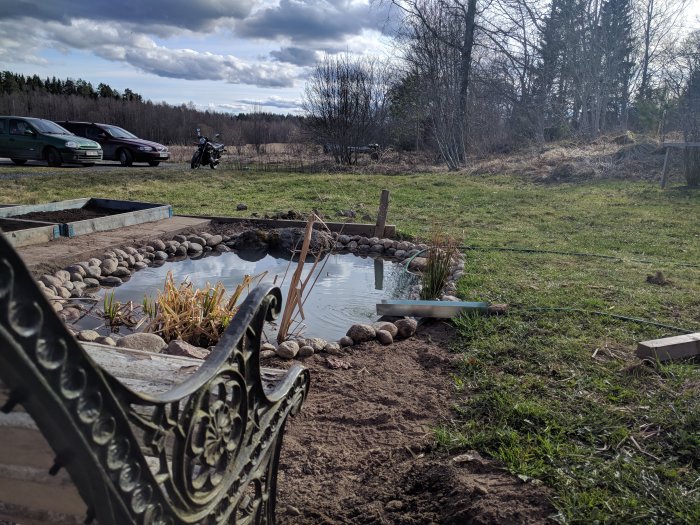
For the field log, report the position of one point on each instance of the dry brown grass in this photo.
(563, 161)
(198, 316)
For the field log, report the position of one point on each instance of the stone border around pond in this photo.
(82, 279)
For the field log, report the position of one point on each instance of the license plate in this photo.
(92, 153)
(163, 155)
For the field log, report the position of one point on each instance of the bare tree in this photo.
(345, 102)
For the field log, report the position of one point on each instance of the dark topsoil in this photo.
(360, 450)
(70, 215)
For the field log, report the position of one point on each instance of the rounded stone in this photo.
(377, 248)
(361, 333)
(345, 341)
(179, 238)
(141, 341)
(306, 351)
(317, 343)
(121, 272)
(106, 340)
(288, 349)
(63, 275)
(333, 348)
(93, 271)
(89, 336)
(110, 280)
(406, 327)
(51, 280)
(76, 268)
(197, 240)
(94, 261)
(181, 251)
(222, 248)
(384, 337)
(109, 265)
(214, 240)
(157, 245)
(195, 248)
(387, 327)
(160, 255)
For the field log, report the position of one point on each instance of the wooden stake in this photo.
(381, 214)
(664, 172)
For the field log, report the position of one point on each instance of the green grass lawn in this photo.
(557, 396)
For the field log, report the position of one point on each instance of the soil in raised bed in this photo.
(362, 449)
(8, 225)
(70, 215)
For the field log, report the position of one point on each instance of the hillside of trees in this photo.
(69, 99)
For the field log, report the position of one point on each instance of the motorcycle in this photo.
(208, 152)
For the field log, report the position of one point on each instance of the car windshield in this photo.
(46, 126)
(119, 133)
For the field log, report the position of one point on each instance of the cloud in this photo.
(306, 21)
(295, 55)
(273, 102)
(118, 43)
(187, 14)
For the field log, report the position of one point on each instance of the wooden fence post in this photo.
(381, 214)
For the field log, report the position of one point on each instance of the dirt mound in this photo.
(361, 451)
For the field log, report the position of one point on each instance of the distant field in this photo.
(556, 395)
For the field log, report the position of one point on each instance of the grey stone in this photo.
(62, 292)
(317, 343)
(110, 280)
(406, 327)
(197, 240)
(387, 327)
(68, 285)
(79, 286)
(363, 248)
(404, 246)
(89, 336)
(179, 238)
(333, 348)
(148, 342)
(94, 261)
(373, 240)
(344, 239)
(91, 283)
(267, 354)
(183, 348)
(394, 505)
(388, 243)
(106, 340)
(267, 346)
(140, 265)
(345, 341)
(360, 333)
(418, 264)
(93, 271)
(75, 277)
(241, 207)
(288, 349)
(384, 337)
(222, 248)
(449, 298)
(400, 254)
(131, 250)
(57, 306)
(121, 272)
(63, 275)
(181, 251)
(157, 245)
(76, 268)
(362, 241)
(76, 293)
(377, 248)
(50, 280)
(288, 239)
(108, 266)
(214, 240)
(160, 255)
(306, 351)
(195, 248)
(71, 314)
(352, 246)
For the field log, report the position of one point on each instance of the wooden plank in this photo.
(381, 214)
(348, 228)
(664, 171)
(670, 348)
(437, 309)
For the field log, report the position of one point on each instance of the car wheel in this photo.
(153, 163)
(20, 162)
(125, 157)
(53, 157)
(196, 160)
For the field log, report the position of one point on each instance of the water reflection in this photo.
(347, 289)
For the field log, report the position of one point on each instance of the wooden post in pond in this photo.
(378, 274)
(381, 214)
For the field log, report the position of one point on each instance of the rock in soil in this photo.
(288, 349)
(306, 351)
(185, 349)
(361, 333)
(387, 326)
(345, 341)
(89, 336)
(406, 328)
(384, 337)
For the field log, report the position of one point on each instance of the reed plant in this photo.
(439, 259)
(198, 316)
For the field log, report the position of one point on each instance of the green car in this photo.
(25, 138)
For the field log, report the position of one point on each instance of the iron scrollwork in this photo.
(204, 452)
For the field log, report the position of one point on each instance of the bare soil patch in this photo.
(70, 215)
(362, 449)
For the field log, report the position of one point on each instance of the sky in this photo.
(225, 55)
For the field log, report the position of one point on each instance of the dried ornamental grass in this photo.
(198, 316)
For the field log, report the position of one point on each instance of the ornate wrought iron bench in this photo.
(198, 443)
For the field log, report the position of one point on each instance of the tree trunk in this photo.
(692, 166)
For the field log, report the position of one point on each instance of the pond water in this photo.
(346, 291)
